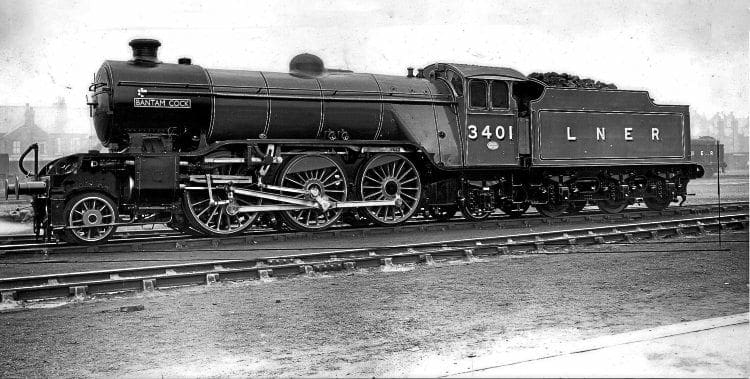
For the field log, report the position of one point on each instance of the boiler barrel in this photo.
(251, 104)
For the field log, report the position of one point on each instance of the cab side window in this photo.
(477, 94)
(499, 94)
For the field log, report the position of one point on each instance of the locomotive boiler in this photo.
(211, 151)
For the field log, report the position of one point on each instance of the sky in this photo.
(682, 52)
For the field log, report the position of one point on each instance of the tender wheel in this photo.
(387, 177)
(576, 206)
(552, 210)
(660, 198)
(442, 212)
(218, 219)
(91, 215)
(612, 206)
(323, 179)
(513, 211)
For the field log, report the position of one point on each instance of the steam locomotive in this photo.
(709, 153)
(209, 151)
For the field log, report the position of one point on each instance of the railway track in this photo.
(166, 240)
(82, 284)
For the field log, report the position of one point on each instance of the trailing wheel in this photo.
(388, 177)
(474, 204)
(89, 218)
(220, 217)
(318, 178)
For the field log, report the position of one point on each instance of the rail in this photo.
(82, 284)
(130, 242)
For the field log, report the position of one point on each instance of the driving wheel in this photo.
(319, 179)
(388, 177)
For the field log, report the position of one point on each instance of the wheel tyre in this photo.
(337, 191)
(180, 224)
(90, 208)
(551, 210)
(196, 227)
(225, 225)
(365, 188)
(611, 206)
(472, 214)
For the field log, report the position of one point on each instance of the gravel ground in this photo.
(414, 320)
(733, 188)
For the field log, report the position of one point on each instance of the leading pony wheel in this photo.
(317, 178)
(90, 217)
(387, 177)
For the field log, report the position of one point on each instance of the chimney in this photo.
(144, 50)
(28, 116)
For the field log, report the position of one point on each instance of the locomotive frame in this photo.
(371, 149)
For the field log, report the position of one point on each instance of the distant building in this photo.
(732, 131)
(52, 144)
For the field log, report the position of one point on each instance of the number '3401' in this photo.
(499, 132)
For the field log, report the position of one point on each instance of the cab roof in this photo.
(469, 70)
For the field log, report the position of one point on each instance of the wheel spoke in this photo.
(370, 196)
(373, 179)
(329, 178)
(331, 175)
(299, 184)
(397, 171)
(203, 211)
(407, 181)
(382, 171)
(401, 177)
(411, 197)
